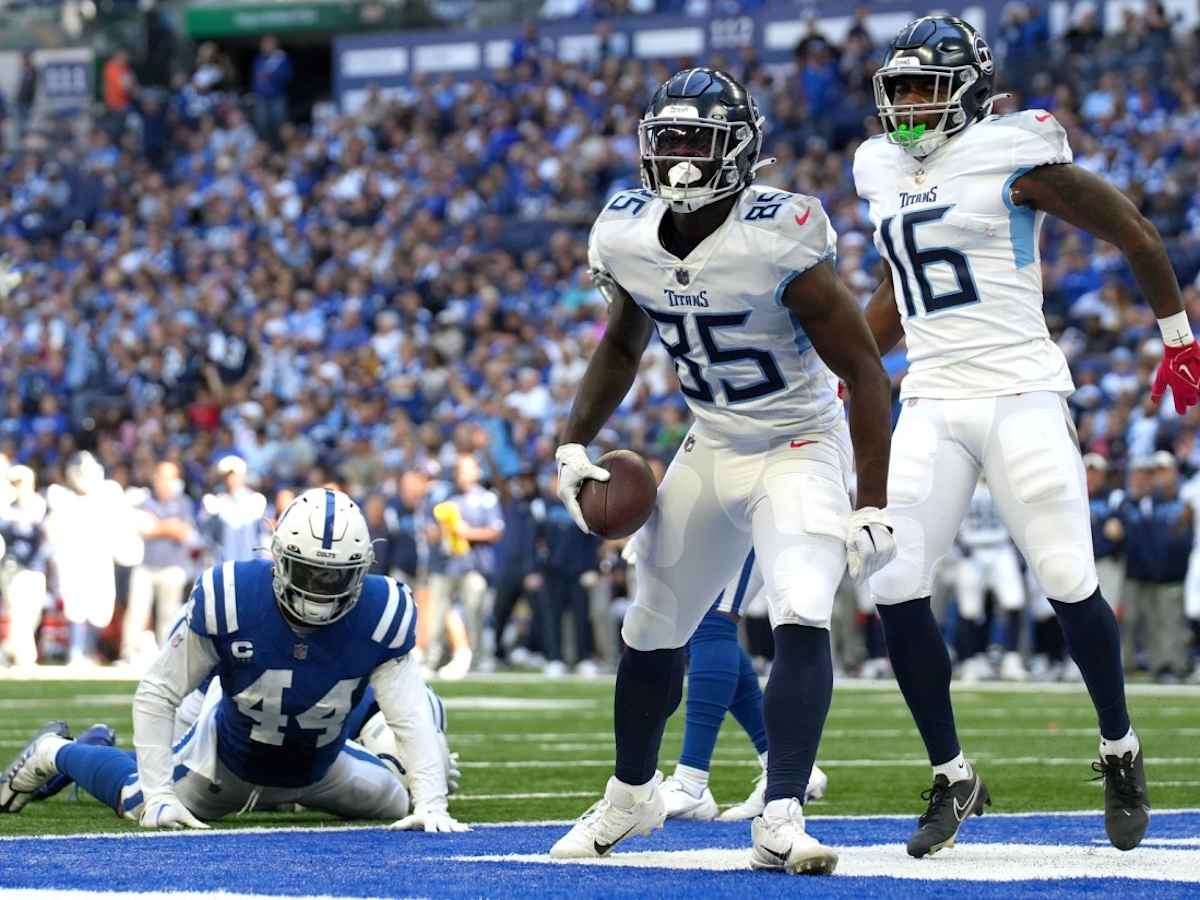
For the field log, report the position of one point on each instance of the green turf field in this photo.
(533, 749)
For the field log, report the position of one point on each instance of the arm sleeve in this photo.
(400, 693)
(184, 662)
(1039, 140)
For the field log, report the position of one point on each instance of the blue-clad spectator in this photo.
(272, 76)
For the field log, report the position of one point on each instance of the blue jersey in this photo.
(288, 691)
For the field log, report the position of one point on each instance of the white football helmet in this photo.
(322, 551)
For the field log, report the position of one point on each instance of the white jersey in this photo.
(744, 362)
(965, 261)
(982, 526)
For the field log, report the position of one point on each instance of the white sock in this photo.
(762, 757)
(958, 769)
(694, 781)
(51, 748)
(782, 808)
(639, 792)
(1128, 744)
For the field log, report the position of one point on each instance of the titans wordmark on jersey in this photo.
(744, 363)
(964, 259)
(287, 692)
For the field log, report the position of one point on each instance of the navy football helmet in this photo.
(699, 139)
(956, 61)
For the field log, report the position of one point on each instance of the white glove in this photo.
(574, 468)
(166, 811)
(629, 552)
(869, 542)
(429, 820)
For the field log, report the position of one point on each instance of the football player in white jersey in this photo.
(957, 196)
(989, 563)
(739, 282)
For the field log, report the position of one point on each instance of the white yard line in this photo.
(828, 763)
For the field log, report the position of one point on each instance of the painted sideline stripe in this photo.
(135, 833)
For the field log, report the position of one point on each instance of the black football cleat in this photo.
(100, 735)
(27, 772)
(1126, 801)
(949, 806)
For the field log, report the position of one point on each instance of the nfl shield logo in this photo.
(683, 276)
(300, 651)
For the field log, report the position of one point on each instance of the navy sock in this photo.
(712, 684)
(796, 704)
(747, 705)
(649, 688)
(101, 771)
(874, 637)
(1094, 642)
(922, 668)
(366, 708)
(1012, 630)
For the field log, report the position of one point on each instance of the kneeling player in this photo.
(294, 641)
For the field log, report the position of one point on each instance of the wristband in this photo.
(1176, 330)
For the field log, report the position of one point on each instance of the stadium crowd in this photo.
(398, 302)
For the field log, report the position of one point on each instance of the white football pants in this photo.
(1027, 448)
(787, 499)
(993, 568)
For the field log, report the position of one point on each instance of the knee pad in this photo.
(1063, 573)
(1064, 567)
(907, 576)
(653, 629)
(804, 583)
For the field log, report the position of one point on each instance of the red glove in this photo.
(1179, 370)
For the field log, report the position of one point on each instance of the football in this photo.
(620, 506)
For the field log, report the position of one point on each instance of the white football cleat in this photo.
(975, 670)
(683, 804)
(616, 816)
(33, 767)
(752, 806)
(1012, 668)
(781, 843)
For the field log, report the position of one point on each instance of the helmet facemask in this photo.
(689, 161)
(316, 592)
(908, 125)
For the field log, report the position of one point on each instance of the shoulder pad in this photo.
(1036, 138)
(215, 597)
(391, 614)
(626, 204)
(804, 235)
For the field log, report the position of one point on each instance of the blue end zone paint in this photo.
(375, 862)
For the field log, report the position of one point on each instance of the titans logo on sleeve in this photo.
(287, 691)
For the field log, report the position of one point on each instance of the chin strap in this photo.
(990, 101)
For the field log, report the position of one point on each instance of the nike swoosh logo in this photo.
(795, 445)
(782, 857)
(602, 849)
(800, 220)
(960, 812)
(1044, 117)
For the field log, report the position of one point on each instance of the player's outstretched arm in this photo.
(186, 660)
(1087, 201)
(839, 333)
(883, 316)
(400, 692)
(609, 375)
